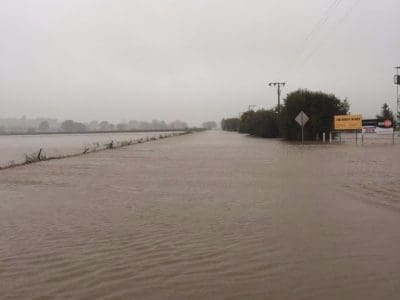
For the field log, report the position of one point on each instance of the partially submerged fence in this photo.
(360, 138)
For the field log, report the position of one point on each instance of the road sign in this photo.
(378, 126)
(387, 123)
(302, 119)
(348, 122)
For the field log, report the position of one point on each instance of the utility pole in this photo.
(251, 106)
(397, 82)
(279, 84)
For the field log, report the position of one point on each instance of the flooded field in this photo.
(14, 147)
(210, 215)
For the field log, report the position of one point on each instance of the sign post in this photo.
(397, 83)
(302, 119)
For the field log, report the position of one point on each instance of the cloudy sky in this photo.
(193, 60)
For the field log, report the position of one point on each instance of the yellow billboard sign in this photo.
(348, 122)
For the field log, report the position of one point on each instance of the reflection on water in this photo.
(204, 216)
(14, 147)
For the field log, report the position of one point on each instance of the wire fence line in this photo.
(366, 138)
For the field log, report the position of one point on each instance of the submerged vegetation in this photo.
(34, 157)
(95, 147)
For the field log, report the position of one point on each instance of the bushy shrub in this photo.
(319, 107)
(262, 123)
(231, 124)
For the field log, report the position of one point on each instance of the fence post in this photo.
(356, 137)
(39, 157)
(330, 137)
(323, 137)
(362, 138)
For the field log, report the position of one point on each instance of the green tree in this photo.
(72, 126)
(319, 107)
(209, 125)
(262, 123)
(246, 122)
(230, 124)
(386, 113)
(44, 126)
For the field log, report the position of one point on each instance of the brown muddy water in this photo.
(13, 148)
(210, 215)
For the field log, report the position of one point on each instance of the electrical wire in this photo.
(310, 36)
(338, 23)
(323, 20)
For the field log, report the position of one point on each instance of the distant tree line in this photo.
(25, 125)
(230, 124)
(319, 107)
(72, 126)
(209, 125)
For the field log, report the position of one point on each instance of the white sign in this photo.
(377, 126)
(302, 118)
(377, 130)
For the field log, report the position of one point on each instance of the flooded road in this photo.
(210, 215)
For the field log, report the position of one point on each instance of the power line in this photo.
(338, 23)
(348, 12)
(323, 20)
(318, 26)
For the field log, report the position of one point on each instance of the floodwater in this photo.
(13, 148)
(209, 215)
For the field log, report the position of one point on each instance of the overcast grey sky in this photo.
(191, 60)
